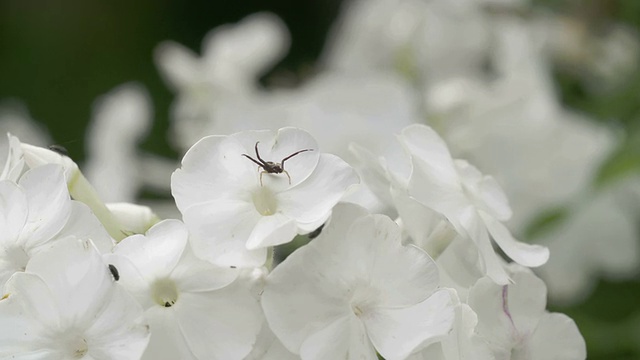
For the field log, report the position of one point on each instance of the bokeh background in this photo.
(57, 57)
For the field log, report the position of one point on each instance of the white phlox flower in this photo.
(233, 59)
(196, 310)
(67, 306)
(38, 211)
(120, 120)
(356, 290)
(235, 209)
(512, 319)
(474, 204)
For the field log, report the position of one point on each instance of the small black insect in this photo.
(59, 149)
(271, 167)
(114, 272)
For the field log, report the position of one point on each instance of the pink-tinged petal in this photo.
(178, 65)
(314, 198)
(271, 231)
(495, 323)
(220, 231)
(397, 332)
(49, 203)
(425, 144)
(83, 224)
(77, 276)
(193, 274)
(276, 147)
(157, 252)
(220, 325)
(119, 330)
(14, 211)
(36, 299)
(212, 169)
(527, 299)
(524, 254)
(557, 337)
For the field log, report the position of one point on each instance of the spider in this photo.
(271, 167)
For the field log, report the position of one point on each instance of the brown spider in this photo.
(271, 167)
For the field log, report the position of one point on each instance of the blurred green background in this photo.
(58, 56)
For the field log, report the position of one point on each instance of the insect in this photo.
(59, 149)
(114, 272)
(270, 167)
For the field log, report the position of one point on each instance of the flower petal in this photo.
(157, 252)
(313, 199)
(220, 231)
(271, 231)
(49, 203)
(193, 274)
(219, 325)
(397, 332)
(557, 337)
(524, 254)
(423, 143)
(83, 224)
(13, 212)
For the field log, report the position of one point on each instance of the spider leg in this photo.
(254, 160)
(257, 153)
(262, 173)
(287, 173)
(292, 155)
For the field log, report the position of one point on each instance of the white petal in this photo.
(219, 325)
(271, 231)
(49, 203)
(524, 254)
(18, 333)
(527, 299)
(425, 144)
(84, 225)
(330, 342)
(157, 252)
(405, 275)
(213, 168)
(119, 330)
(220, 231)
(78, 278)
(167, 341)
(13, 212)
(557, 337)
(36, 299)
(396, 332)
(313, 199)
(493, 264)
(178, 65)
(195, 275)
(131, 279)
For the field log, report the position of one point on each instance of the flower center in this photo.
(164, 292)
(265, 201)
(363, 299)
(74, 344)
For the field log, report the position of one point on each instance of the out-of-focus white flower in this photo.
(196, 310)
(599, 238)
(66, 306)
(474, 204)
(233, 59)
(120, 119)
(235, 210)
(37, 212)
(412, 37)
(513, 320)
(356, 290)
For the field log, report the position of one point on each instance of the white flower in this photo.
(120, 119)
(513, 320)
(67, 306)
(36, 212)
(356, 290)
(474, 204)
(137, 219)
(235, 210)
(233, 59)
(196, 310)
